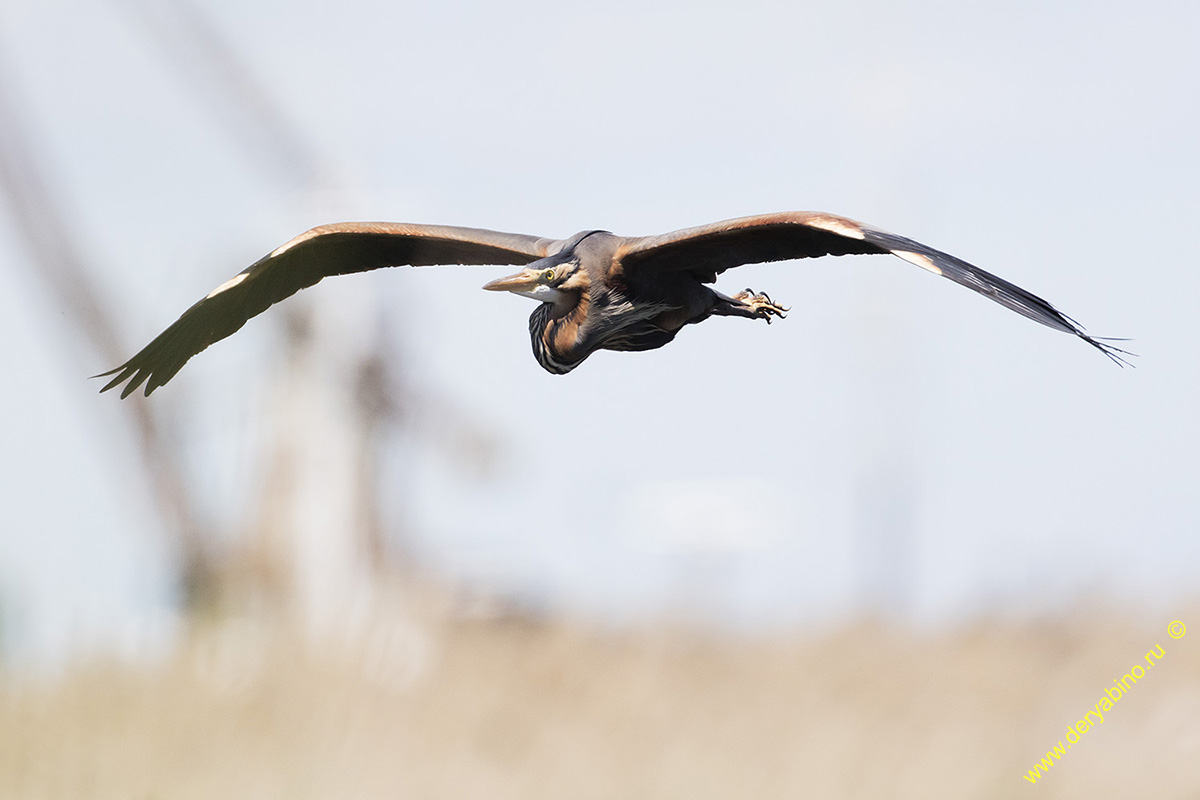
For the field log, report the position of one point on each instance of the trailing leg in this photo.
(750, 304)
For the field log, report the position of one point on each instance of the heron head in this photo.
(552, 280)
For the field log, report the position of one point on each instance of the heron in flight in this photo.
(595, 290)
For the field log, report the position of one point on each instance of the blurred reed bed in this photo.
(511, 706)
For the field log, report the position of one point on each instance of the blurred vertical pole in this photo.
(883, 488)
(317, 528)
(885, 405)
(57, 256)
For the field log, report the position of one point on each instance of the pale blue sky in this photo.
(1053, 144)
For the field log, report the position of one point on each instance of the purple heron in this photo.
(596, 290)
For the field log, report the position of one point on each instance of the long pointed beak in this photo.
(524, 281)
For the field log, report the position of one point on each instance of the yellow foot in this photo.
(760, 305)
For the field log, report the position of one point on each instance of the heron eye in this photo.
(548, 274)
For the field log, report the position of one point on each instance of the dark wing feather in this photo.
(337, 249)
(708, 250)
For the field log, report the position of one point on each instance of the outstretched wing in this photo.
(337, 249)
(708, 250)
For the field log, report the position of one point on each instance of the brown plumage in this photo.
(597, 290)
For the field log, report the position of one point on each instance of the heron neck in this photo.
(566, 323)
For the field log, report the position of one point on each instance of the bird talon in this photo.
(760, 305)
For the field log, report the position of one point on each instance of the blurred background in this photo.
(893, 545)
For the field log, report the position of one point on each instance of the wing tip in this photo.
(135, 374)
(1114, 354)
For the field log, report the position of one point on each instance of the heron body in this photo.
(590, 303)
(595, 290)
